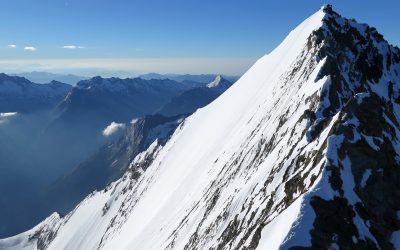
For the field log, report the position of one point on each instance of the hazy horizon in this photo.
(135, 37)
(125, 67)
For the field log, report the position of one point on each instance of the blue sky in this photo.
(211, 35)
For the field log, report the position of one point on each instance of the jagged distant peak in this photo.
(19, 80)
(20, 94)
(14, 81)
(5, 77)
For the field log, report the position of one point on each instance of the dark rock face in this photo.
(357, 58)
(378, 193)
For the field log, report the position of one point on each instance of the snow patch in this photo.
(276, 231)
(395, 239)
(365, 177)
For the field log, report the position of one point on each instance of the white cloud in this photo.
(6, 116)
(30, 48)
(13, 46)
(113, 128)
(72, 47)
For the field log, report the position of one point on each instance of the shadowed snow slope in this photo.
(277, 161)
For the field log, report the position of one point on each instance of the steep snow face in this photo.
(36, 238)
(278, 161)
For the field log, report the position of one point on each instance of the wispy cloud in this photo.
(72, 47)
(8, 114)
(4, 117)
(113, 128)
(13, 46)
(30, 48)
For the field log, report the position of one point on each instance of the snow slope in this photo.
(275, 162)
(109, 163)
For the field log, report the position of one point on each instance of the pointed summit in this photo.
(215, 82)
(220, 83)
(327, 8)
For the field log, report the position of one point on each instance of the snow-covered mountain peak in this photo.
(219, 83)
(216, 82)
(302, 151)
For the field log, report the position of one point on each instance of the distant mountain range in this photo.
(190, 79)
(59, 128)
(115, 99)
(18, 94)
(192, 99)
(202, 79)
(46, 77)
